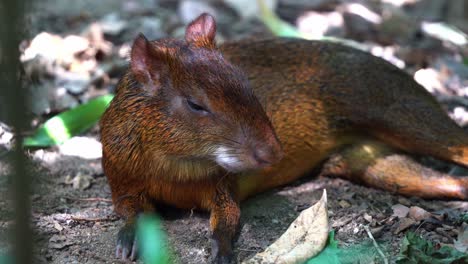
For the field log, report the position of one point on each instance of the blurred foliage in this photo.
(281, 28)
(445, 32)
(415, 249)
(275, 24)
(68, 124)
(332, 254)
(6, 259)
(152, 240)
(329, 254)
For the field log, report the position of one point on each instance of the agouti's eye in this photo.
(196, 107)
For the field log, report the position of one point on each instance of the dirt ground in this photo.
(79, 226)
(73, 217)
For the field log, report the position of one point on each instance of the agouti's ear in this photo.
(202, 31)
(148, 63)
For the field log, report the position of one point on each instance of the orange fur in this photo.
(318, 99)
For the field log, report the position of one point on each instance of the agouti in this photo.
(195, 125)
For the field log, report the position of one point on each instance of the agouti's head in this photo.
(197, 105)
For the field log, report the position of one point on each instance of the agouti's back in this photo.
(197, 126)
(321, 96)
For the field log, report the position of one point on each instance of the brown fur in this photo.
(319, 99)
(339, 96)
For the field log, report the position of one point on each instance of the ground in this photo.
(78, 226)
(72, 214)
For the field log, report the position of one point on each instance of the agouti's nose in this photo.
(268, 154)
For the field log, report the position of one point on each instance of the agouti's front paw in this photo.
(222, 259)
(220, 255)
(126, 243)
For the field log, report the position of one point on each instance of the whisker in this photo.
(225, 138)
(222, 178)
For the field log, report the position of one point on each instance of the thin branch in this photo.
(375, 244)
(100, 219)
(92, 199)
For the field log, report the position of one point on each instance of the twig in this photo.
(422, 223)
(375, 244)
(93, 199)
(96, 199)
(102, 219)
(191, 212)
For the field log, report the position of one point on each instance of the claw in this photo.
(124, 254)
(118, 251)
(134, 252)
(126, 243)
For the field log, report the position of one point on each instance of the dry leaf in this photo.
(80, 181)
(461, 243)
(305, 237)
(400, 210)
(404, 224)
(417, 213)
(344, 204)
(341, 222)
(367, 217)
(58, 226)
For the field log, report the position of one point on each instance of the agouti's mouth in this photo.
(238, 161)
(228, 159)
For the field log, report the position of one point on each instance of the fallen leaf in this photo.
(461, 244)
(305, 237)
(80, 181)
(341, 222)
(344, 204)
(400, 210)
(404, 224)
(58, 226)
(377, 231)
(417, 213)
(367, 217)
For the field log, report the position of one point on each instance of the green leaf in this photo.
(329, 254)
(281, 28)
(415, 249)
(6, 259)
(68, 124)
(359, 253)
(152, 240)
(275, 24)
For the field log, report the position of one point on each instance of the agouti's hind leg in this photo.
(377, 165)
(422, 126)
